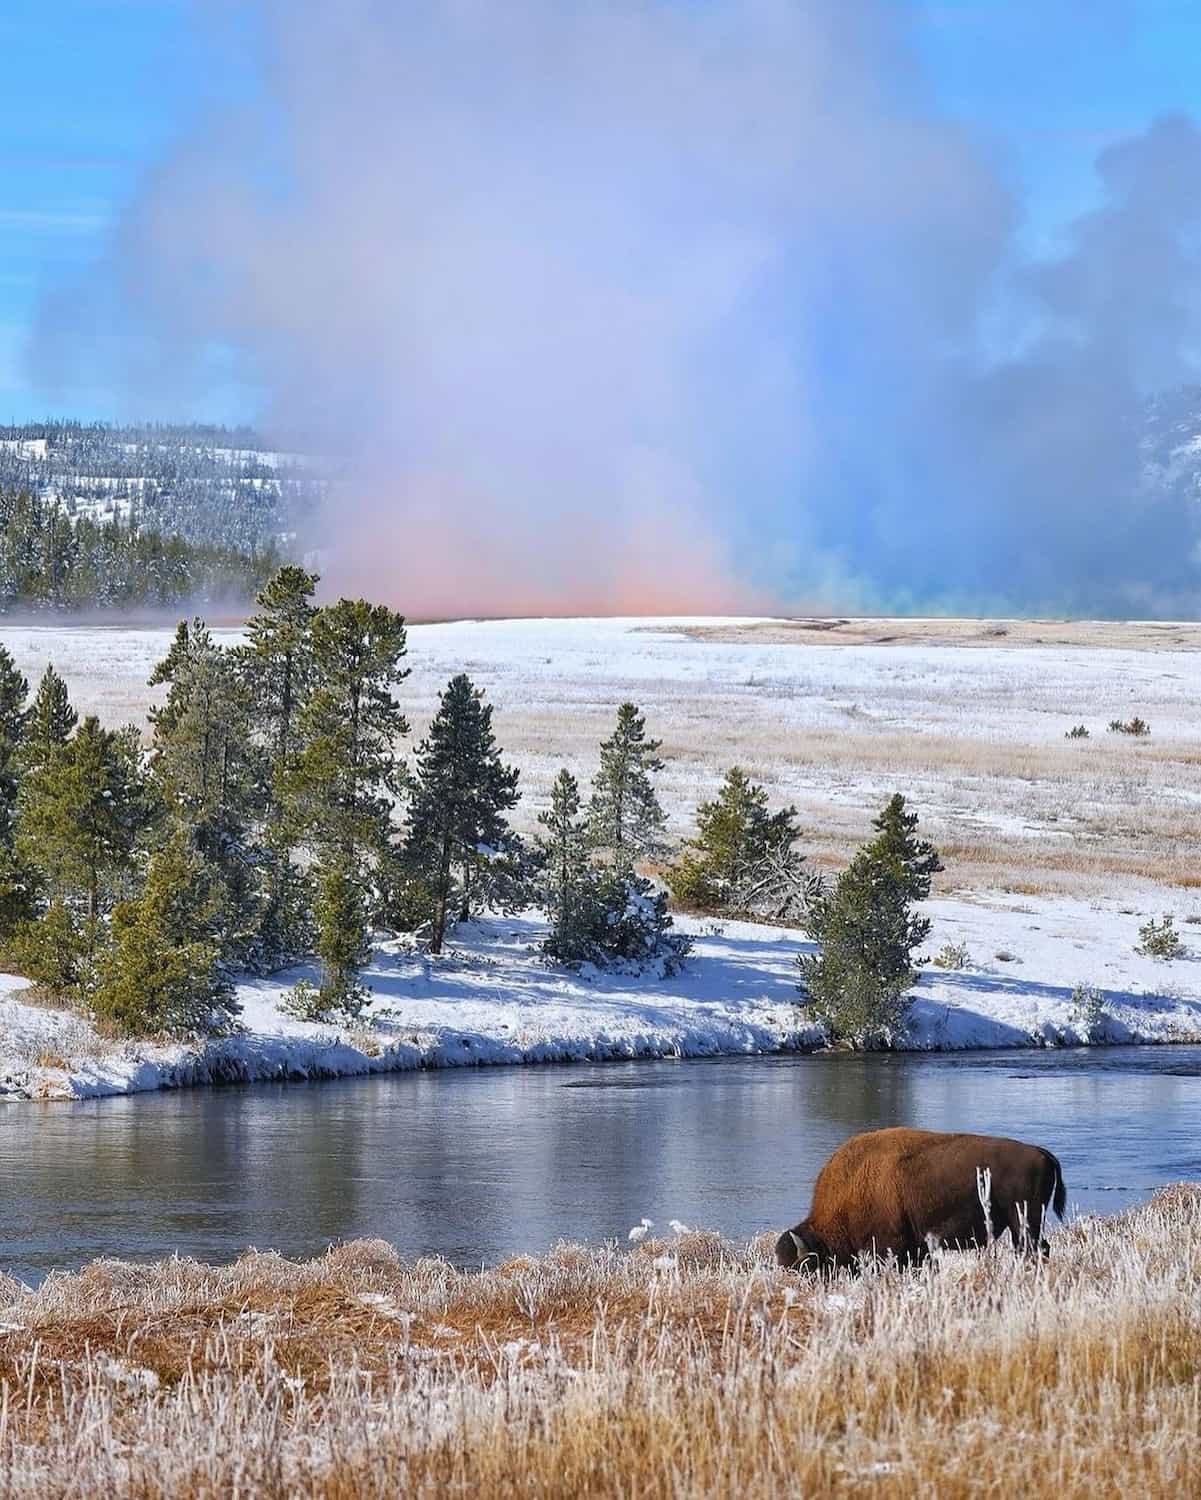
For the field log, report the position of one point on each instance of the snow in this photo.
(834, 728)
(492, 999)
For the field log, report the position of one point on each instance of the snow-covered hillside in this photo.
(492, 999)
(204, 484)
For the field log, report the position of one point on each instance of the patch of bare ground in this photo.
(866, 630)
(687, 1367)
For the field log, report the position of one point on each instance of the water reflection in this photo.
(479, 1165)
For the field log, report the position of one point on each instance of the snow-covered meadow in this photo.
(1056, 850)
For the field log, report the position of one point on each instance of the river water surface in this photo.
(480, 1164)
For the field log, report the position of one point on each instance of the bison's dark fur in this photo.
(900, 1191)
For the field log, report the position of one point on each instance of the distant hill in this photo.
(211, 486)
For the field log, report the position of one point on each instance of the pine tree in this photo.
(461, 793)
(569, 883)
(208, 772)
(82, 815)
(50, 723)
(278, 658)
(866, 929)
(741, 857)
(277, 667)
(624, 816)
(14, 690)
(162, 969)
(337, 792)
(343, 938)
(896, 838)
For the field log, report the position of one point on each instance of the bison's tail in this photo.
(1059, 1194)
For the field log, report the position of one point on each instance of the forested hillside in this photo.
(49, 561)
(205, 484)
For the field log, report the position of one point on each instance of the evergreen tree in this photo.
(569, 883)
(14, 690)
(460, 795)
(343, 938)
(896, 838)
(50, 723)
(866, 929)
(741, 857)
(208, 772)
(278, 658)
(337, 792)
(277, 667)
(50, 950)
(162, 970)
(624, 816)
(82, 814)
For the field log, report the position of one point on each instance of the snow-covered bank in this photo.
(492, 1000)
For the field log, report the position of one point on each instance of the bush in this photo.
(1077, 732)
(1088, 1007)
(952, 956)
(1137, 727)
(1160, 939)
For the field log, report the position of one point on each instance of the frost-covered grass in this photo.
(687, 1366)
(492, 998)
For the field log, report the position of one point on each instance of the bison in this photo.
(899, 1192)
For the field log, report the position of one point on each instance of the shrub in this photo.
(1160, 939)
(1137, 727)
(1088, 1007)
(1077, 732)
(952, 956)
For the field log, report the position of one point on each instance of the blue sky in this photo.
(95, 90)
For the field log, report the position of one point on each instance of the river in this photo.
(480, 1164)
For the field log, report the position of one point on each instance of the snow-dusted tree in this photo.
(857, 983)
(337, 791)
(742, 857)
(625, 820)
(569, 883)
(14, 690)
(209, 773)
(896, 838)
(50, 723)
(277, 667)
(461, 792)
(82, 816)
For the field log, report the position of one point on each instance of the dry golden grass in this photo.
(689, 1367)
(937, 630)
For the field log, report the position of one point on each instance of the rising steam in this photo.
(637, 305)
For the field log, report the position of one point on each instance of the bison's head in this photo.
(800, 1249)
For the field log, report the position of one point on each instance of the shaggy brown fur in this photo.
(898, 1191)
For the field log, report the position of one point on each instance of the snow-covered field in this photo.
(1056, 850)
(492, 999)
(972, 733)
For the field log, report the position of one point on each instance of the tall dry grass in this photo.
(688, 1367)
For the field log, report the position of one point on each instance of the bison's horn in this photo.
(801, 1248)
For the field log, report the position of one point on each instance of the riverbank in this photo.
(491, 999)
(686, 1366)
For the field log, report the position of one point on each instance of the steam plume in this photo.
(637, 304)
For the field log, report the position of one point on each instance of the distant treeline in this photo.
(208, 484)
(50, 561)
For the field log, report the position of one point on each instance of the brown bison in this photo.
(901, 1191)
